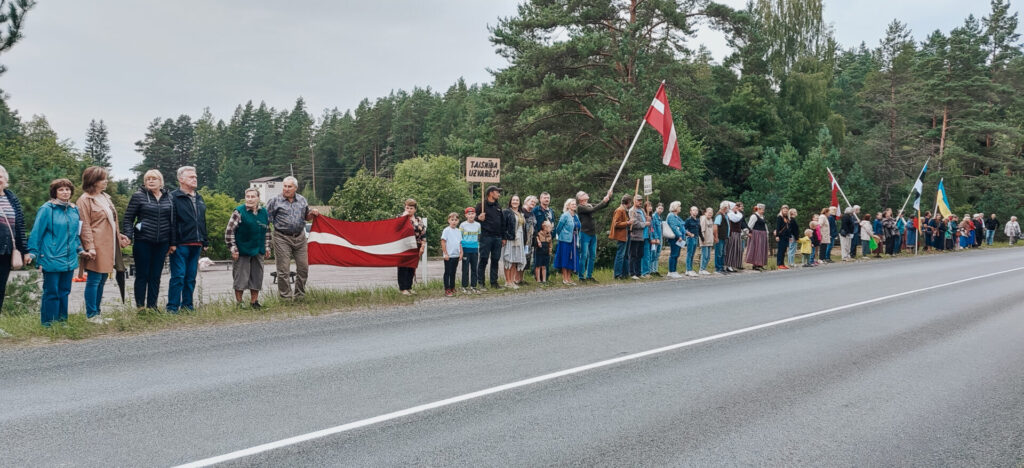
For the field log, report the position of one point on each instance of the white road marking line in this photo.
(554, 375)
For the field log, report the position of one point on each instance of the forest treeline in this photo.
(760, 126)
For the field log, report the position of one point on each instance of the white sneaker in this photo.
(634, 277)
(704, 272)
(98, 320)
(672, 274)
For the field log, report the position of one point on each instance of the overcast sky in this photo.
(129, 61)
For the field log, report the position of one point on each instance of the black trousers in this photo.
(780, 254)
(405, 277)
(469, 261)
(490, 250)
(450, 266)
(5, 273)
(890, 245)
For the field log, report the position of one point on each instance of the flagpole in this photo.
(839, 187)
(630, 150)
(915, 183)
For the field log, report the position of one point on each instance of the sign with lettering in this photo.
(483, 170)
(648, 185)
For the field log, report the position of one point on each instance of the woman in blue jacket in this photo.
(55, 246)
(675, 223)
(567, 231)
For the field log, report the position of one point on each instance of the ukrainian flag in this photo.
(941, 202)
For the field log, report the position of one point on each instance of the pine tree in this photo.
(12, 15)
(97, 144)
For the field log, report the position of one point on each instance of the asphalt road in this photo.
(929, 378)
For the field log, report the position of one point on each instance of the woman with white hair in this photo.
(13, 247)
(568, 233)
(1012, 230)
(148, 222)
(757, 250)
(675, 223)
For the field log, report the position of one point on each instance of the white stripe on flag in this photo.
(667, 157)
(658, 105)
(918, 186)
(391, 248)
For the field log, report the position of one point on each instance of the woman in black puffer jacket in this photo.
(148, 222)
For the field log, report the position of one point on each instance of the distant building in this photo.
(269, 187)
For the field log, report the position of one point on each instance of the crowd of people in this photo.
(161, 226)
(524, 235)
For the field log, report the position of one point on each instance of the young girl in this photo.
(542, 253)
(806, 248)
(451, 246)
(815, 236)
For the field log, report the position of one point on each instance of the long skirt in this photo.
(565, 257)
(757, 250)
(734, 251)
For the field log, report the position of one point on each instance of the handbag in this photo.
(17, 260)
(666, 231)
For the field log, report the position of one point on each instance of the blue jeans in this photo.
(94, 292)
(865, 248)
(828, 249)
(184, 265)
(654, 251)
(705, 256)
(791, 251)
(469, 271)
(149, 264)
(720, 255)
(56, 289)
(990, 236)
(691, 249)
(620, 259)
(587, 251)
(673, 256)
(490, 250)
(645, 258)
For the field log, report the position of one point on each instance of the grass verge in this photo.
(125, 320)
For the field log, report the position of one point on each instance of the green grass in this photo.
(26, 329)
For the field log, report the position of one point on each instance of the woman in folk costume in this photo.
(757, 251)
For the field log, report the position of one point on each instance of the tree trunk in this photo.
(945, 125)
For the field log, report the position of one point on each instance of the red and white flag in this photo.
(660, 117)
(387, 243)
(835, 190)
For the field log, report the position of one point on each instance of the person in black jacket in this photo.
(979, 229)
(991, 224)
(147, 222)
(782, 235)
(492, 229)
(12, 233)
(188, 239)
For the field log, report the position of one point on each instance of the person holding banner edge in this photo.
(492, 225)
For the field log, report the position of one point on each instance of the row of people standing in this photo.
(160, 224)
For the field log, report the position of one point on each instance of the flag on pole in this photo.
(919, 187)
(835, 190)
(941, 202)
(387, 243)
(660, 117)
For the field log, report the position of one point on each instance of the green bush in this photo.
(23, 294)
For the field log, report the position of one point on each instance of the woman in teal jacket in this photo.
(55, 246)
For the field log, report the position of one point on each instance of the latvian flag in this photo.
(388, 243)
(660, 117)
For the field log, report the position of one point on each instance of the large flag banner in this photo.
(919, 187)
(941, 202)
(387, 243)
(835, 190)
(660, 117)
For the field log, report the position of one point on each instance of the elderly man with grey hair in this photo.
(588, 234)
(188, 239)
(288, 213)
